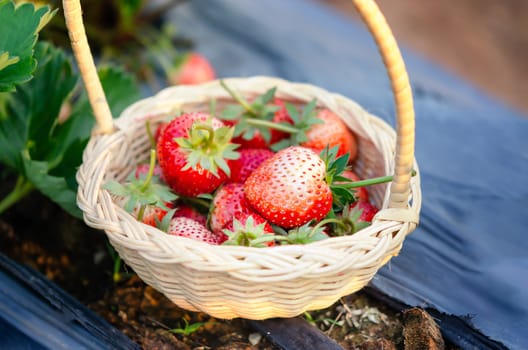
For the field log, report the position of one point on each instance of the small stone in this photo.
(254, 338)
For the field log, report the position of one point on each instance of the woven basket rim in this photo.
(133, 115)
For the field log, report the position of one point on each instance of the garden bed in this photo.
(37, 233)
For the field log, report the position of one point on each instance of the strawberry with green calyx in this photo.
(250, 159)
(250, 234)
(192, 68)
(336, 166)
(265, 121)
(330, 133)
(367, 210)
(189, 228)
(143, 195)
(304, 234)
(194, 150)
(229, 203)
(289, 189)
(303, 121)
(353, 218)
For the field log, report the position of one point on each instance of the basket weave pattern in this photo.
(254, 283)
(228, 281)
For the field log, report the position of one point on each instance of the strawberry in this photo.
(289, 189)
(151, 213)
(367, 209)
(185, 227)
(143, 195)
(361, 193)
(353, 218)
(193, 151)
(249, 160)
(250, 233)
(302, 235)
(263, 123)
(257, 138)
(194, 68)
(332, 132)
(186, 211)
(159, 131)
(229, 203)
(143, 169)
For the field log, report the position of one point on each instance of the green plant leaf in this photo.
(121, 90)
(28, 117)
(33, 141)
(55, 188)
(19, 25)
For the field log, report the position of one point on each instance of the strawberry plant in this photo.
(132, 33)
(45, 119)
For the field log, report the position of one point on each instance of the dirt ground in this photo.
(484, 41)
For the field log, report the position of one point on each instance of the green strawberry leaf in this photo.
(19, 25)
(28, 117)
(231, 112)
(55, 188)
(34, 143)
(304, 234)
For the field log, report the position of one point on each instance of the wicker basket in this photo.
(253, 283)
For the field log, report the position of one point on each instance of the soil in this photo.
(37, 233)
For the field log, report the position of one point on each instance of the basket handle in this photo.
(85, 62)
(403, 100)
(377, 25)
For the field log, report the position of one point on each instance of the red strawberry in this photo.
(332, 132)
(249, 160)
(229, 203)
(368, 210)
(143, 198)
(289, 189)
(354, 217)
(258, 141)
(281, 116)
(250, 233)
(143, 169)
(159, 131)
(193, 153)
(194, 69)
(361, 193)
(150, 214)
(186, 211)
(185, 227)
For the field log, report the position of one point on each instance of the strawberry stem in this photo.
(141, 212)
(152, 141)
(209, 129)
(22, 188)
(272, 125)
(239, 99)
(150, 173)
(324, 222)
(372, 181)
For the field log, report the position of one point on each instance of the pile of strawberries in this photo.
(255, 173)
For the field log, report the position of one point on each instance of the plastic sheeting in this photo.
(36, 314)
(469, 256)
